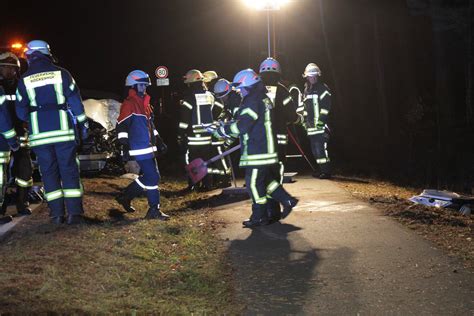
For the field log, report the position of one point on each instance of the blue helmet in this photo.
(137, 77)
(246, 78)
(38, 46)
(270, 65)
(222, 88)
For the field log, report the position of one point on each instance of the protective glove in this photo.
(210, 128)
(84, 130)
(125, 153)
(162, 149)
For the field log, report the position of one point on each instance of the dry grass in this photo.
(446, 228)
(117, 263)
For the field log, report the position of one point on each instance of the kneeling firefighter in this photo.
(140, 141)
(253, 124)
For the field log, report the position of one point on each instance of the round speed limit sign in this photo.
(161, 72)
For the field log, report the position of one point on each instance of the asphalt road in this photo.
(335, 255)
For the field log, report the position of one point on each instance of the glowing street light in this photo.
(266, 5)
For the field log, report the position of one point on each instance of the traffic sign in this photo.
(161, 72)
(162, 82)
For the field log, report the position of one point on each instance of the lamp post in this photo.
(269, 6)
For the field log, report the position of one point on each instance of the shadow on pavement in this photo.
(271, 275)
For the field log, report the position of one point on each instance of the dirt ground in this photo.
(444, 227)
(117, 262)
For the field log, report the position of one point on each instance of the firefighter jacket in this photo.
(253, 124)
(196, 109)
(317, 102)
(135, 126)
(20, 126)
(8, 134)
(284, 111)
(48, 99)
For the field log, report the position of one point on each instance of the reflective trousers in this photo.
(147, 182)
(319, 143)
(22, 170)
(264, 187)
(59, 168)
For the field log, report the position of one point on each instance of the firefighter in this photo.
(259, 157)
(140, 141)
(8, 141)
(284, 113)
(48, 99)
(317, 103)
(22, 168)
(222, 170)
(196, 109)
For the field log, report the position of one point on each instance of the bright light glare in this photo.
(17, 45)
(265, 4)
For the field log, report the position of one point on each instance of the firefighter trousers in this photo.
(22, 170)
(264, 187)
(319, 148)
(59, 168)
(147, 182)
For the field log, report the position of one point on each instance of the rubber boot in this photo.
(258, 218)
(125, 199)
(22, 204)
(285, 199)
(155, 213)
(273, 211)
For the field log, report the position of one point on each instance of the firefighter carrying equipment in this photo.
(135, 127)
(137, 77)
(193, 75)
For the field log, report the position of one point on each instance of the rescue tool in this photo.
(197, 169)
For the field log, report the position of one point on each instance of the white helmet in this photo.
(311, 70)
(222, 88)
(9, 59)
(38, 46)
(137, 77)
(193, 75)
(209, 76)
(270, 65)
(246, 78)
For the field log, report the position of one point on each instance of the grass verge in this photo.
(117, 262)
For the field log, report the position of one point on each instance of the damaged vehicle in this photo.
(101, 147)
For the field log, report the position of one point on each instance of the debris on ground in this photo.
(446, 199)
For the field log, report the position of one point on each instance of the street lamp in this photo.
(268, 6)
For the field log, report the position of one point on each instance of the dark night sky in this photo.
(100, 41)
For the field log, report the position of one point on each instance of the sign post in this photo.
(161, 73)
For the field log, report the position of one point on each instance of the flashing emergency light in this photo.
(265, 4)
(17, 46)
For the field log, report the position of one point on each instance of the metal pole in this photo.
(268, 33)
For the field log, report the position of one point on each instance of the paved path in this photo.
(335, 255)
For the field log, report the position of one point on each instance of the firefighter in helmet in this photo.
(317, 104)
